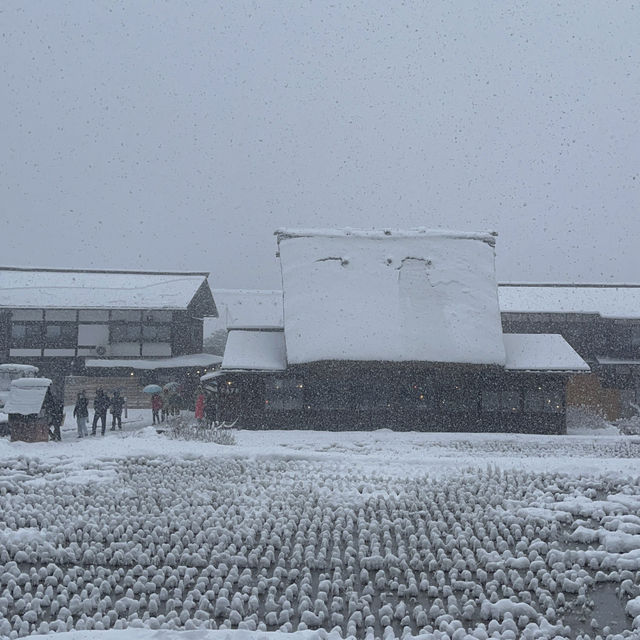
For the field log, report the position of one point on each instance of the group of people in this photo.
(165, 404)
(102, 404)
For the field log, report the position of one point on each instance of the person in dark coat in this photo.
(117, 404)
(81, 413)
(55, 414)
(211, 406)
(100, 408)
(165, 404)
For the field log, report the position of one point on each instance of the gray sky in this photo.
(175, 135)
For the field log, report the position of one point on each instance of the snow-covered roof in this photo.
(388, 295)
(418, 232)
(68, 289)
(187, 361)
(614, 361)
(249, 308)
(26, 395)
(541, 352)
(11, 368)
(256, 350)
(609, 301)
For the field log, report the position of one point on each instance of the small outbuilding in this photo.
(27, 409)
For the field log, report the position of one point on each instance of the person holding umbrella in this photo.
(156, 401)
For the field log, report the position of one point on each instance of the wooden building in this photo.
(62, 320)
(600, 321)
(392, 329)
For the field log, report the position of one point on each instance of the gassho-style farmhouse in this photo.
(406, 330)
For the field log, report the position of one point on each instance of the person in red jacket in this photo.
(156, 405)
(200, 405)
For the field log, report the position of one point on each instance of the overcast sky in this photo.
(179, 135)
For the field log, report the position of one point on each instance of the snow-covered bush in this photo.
(180, 428)
(630, 426)
(585, 418)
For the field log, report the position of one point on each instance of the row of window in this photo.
(135, 332)
(92, 315)
(289, 394)
(32, 334)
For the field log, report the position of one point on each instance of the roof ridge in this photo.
(118, 271)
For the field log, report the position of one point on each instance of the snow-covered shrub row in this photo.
(545, 447)
(185, 429)
(187, 544)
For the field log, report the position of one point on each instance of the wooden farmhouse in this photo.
(111, 328)
(391, 329)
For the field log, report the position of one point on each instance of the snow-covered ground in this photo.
(382, 534)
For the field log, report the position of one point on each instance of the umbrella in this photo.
(172, 386)
(152, 388)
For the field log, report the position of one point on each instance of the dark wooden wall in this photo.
(343, 396)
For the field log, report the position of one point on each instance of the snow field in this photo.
(263, 546)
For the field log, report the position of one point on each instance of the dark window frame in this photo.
(501, 401)
(67, 338)
(33, 337)
(283, 394)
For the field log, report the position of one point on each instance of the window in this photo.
(458, 400)
(490, 401)
(504, 400)
(27, 314)
(60, 314)
(372, 395)
(58, 335)
(283, 394)
(125, 333)
(94, 315)
(510, 401)
(417, 395)
(156, 333)
(127, 315)
(26, 334)
(331, 393)
(540, 401)
(158, 315)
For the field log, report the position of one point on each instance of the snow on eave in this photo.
(250, 308)
(255, 350)
(541, 352)
(186, 361)
(613, 302)
(285, 233)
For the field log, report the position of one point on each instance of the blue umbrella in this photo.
(152, 388)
